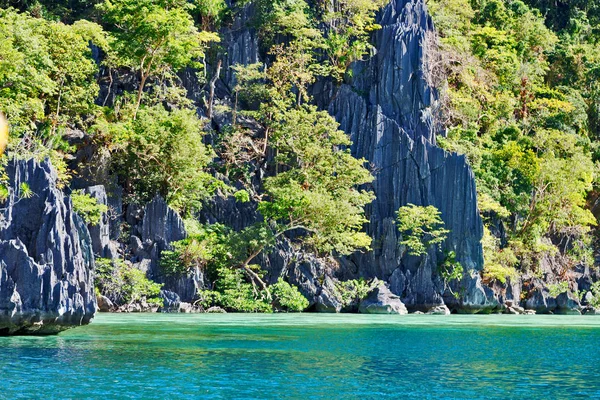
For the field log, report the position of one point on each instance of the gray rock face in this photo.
(382, 301)
(388, 108)
(312, 276)
(46, 257)
(161, 225)
(102, 244)
(388, 111)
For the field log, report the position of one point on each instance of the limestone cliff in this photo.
(388, 110)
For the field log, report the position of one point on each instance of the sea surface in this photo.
(308, 356)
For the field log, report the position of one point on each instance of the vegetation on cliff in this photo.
(519, 89)
(521, 102)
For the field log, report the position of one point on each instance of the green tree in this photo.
(420, 227)
(287, 297)
(47, 82)
(155, 38)
(160, 152)
(125, 284)
(88, 207)
(317, 195)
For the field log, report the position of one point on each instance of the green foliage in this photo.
(205, 244)
(25, 191)
(47, 83)
(558, 288)
(154, 38)
(46, 73)
(122, 283)
(211, 13)
(347, 26)
(88, 207)
(499, 264)
(160, 152)
(519, 102)
(421, 227)
(288, 297)
(317, 192)
(595, 290)
(315, 189)
(4, 193)
(242, 196)
(233, 293)
(354, 290)
(450, 269)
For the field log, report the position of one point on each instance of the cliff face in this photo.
(388, 110)
(46, 258)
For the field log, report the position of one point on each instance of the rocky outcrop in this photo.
(161, 224)
(382, 301)
(388, 108)
(158, 225)
(46, 256)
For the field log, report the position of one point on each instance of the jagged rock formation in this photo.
(102, 243)
(46, 259)
(382, 301)
(388, 110)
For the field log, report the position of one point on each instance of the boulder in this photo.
(382, 301)
(46, 256)
(589, 310)
(171, 301)
(439, 310)
(216, 310)
(567, 303)
(104, 304)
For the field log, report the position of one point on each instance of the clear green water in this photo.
(157, 356)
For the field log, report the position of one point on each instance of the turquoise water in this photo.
(308, 356)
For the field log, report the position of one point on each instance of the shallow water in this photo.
(308, 356)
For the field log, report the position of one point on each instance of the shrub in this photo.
(420, 227)
(288, 297)
(233, 293)
(595, 289)
(353, 290)
(88, 207)
(558, 288)
(123, 283)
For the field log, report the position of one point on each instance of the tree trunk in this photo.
(211, 97)
(139, 94)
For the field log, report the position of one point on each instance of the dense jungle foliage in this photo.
(520, 91)
(522, 102)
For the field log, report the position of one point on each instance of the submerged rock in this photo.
(216, 310)
(46, 257)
